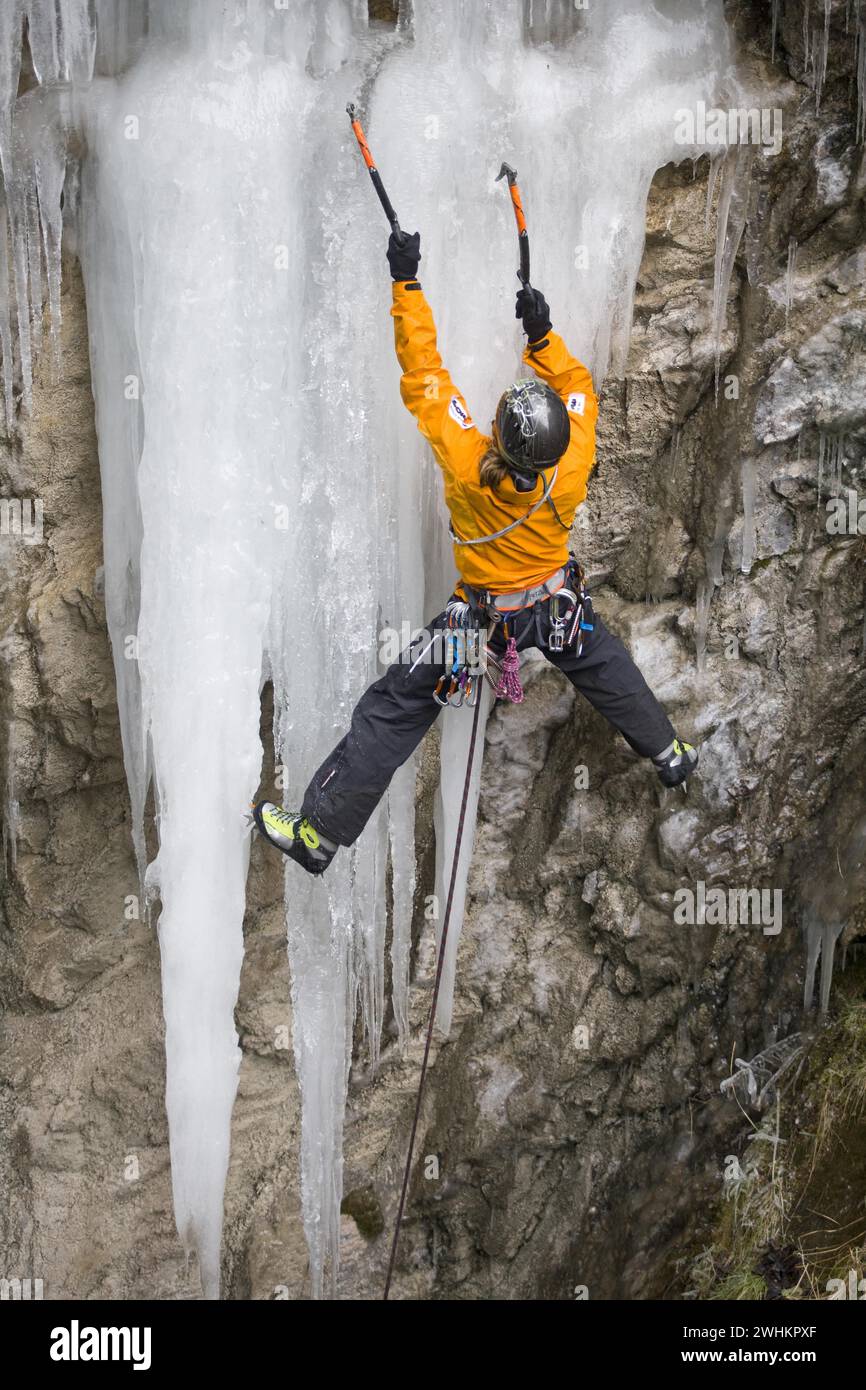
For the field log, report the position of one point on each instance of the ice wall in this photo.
(269, 507)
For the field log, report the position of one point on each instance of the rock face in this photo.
(576, 1108)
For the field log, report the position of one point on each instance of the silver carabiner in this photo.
(436, 696)
(556, 636)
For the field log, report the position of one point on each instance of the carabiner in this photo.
(494, 662)
(436, 696)
(575, 622)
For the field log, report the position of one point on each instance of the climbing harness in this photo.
(439, 966)
(570, 605)
(570, 620)
(468, 657)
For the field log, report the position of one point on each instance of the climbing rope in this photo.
(439, 964)
(509, 687)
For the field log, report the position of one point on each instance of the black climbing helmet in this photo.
(532, 425)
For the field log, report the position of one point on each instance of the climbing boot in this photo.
(295, 836)
(676, 763)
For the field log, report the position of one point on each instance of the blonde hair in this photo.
(492, 469)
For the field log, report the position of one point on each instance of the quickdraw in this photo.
(560, 617)
(567, 628)
(462, 690)
(465, 659)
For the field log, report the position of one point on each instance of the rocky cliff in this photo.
(576, 1110)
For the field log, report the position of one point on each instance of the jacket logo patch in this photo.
(577, 403)
(458, 412)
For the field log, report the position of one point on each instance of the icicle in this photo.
(748, 476)
(179, 244)
(830, 936)
(776, 7)
(370, 912)
(839, 448)
(5, 323)
(16, 195)
(731, 220)
(702, 620)
(822, 442)
(33, 160)
(860, 51)
(716, 553)
(831, 462)
(33, 240)
(821, 57)
(714, 565)
(790, 273)
(10, 807)
(11, 28)
(807, 33)
(812, 930)
(717, 163)
(821, 938)
(401, 803)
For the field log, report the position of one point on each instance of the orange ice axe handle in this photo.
(506, 172)
(375, 175)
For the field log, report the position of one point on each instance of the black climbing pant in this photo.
(394, 714)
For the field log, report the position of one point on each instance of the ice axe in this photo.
(506, 172)
(399, 235)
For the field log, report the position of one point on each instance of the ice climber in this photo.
(512, 497)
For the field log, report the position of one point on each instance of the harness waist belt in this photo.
(510, 603)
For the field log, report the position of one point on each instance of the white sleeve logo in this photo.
(577, 403)
(458, 412)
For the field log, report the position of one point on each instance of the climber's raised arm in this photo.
(548, 356)
(426, 387)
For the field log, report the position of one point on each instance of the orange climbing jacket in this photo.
(530, 553)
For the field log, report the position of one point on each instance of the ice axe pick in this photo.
(506, 172)
(399, 235)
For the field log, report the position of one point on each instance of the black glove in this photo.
(533, 309)
(404, 259)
